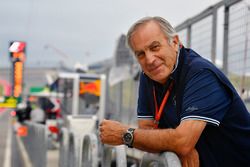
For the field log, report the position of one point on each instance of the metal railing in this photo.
(35, 143)
(166, 159)
(85, 150)
(64, 148)
(89, 151)
(78, 150)
(115, 155)
(221, 34)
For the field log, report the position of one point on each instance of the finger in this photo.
(101, 137)
(184, 162)
(101, 129)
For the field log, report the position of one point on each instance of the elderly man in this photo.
(186, 105)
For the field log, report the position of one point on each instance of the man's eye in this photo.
(140, 54)
(155, 47)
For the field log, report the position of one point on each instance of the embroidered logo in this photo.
(190, 109)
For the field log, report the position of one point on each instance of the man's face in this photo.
(154, 53)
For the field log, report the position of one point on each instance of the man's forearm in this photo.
(181, 140)
(155, 140)
(156, 143)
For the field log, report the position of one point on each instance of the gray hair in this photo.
(165, 26)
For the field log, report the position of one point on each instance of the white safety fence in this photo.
(114, 154)
(89, 151)
(84, 150)
(78, 150)
(35, 143)
(64, 148)
(166, 159)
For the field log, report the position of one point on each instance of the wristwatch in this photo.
(128, 137)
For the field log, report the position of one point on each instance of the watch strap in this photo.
(131, 130)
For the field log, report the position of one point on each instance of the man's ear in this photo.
(176, 42)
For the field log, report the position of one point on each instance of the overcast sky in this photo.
(79, 30)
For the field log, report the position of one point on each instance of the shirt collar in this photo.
(177, 61)
(173, 74)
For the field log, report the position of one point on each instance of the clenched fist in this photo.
(111, 132)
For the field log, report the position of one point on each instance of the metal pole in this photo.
(119, 101)
(189, 31)
(225, 46)
(245, 53)
(75, 97)
(214, 33)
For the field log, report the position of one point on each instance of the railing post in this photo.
(166, 159)
(64, 148)
(121, 157)
(89, 151)
(116, 154)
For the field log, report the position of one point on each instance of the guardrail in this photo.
(35, 143)
(114, 154)
(166, 159)
(84, 150)
(64, 147)
(89, 151)
(73, 153)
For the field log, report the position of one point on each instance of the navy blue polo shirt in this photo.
(204, 99)
(225, 141)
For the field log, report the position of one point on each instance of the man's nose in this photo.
(150, 57)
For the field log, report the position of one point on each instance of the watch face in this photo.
(127, 138)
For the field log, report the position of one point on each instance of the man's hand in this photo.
(190, 160)
(111, 132)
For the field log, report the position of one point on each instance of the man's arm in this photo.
(190, 160)
(146, 124)
(181, 140)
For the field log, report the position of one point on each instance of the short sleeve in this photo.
(144, 108)
(205, 98)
